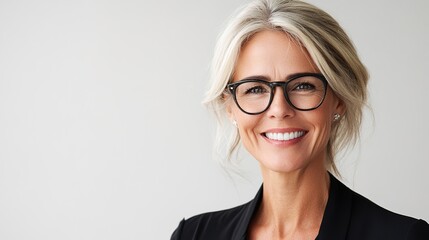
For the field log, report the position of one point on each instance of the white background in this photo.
(102, 134)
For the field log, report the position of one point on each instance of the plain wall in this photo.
(102, 134)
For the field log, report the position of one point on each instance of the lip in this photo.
(299, 135)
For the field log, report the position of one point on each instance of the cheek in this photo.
(324, 115)
(246, 123)
(322, 124)
(247, 127)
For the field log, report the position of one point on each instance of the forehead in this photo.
(273, 54)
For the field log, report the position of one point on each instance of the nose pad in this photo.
(280, 107)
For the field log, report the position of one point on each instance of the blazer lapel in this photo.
(336, 218)
(241, 231)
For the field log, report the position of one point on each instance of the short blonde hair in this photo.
(328, 46)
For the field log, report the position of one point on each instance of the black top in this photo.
(348, 215)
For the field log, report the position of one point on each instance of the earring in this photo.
(234, 123)
(337, 117)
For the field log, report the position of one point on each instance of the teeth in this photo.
(284, 136)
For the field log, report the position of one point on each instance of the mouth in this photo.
(286, 136)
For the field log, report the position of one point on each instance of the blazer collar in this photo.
(335, 220)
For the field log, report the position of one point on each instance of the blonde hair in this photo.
(328, 46)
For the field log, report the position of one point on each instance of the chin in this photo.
(283, 165)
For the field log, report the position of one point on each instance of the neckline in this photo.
(335, 219)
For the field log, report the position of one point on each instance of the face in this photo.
(274, 56)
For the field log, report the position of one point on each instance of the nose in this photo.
(279, 107)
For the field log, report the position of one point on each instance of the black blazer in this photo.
(348, 215)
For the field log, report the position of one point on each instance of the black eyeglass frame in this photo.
(233, 86)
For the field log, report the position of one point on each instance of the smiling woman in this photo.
(290, 79)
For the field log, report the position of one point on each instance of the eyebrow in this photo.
(262, 77)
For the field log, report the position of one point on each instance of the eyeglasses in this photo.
(303, 92)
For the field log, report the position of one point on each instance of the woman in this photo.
(288, 77)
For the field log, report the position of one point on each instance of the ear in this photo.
(228, 106)
(340, 106)
(229, 113)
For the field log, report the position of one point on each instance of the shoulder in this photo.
(372, 221)
(225, 224)
(211, 225)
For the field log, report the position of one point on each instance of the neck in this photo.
(293, 202)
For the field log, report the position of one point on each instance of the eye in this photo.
(253, 88)
(256, 90)
(304, 86)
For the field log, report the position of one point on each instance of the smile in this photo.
(284, 136)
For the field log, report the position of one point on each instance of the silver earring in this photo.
(234, 123)
(337, 117)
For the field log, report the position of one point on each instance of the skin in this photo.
(296, 183)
